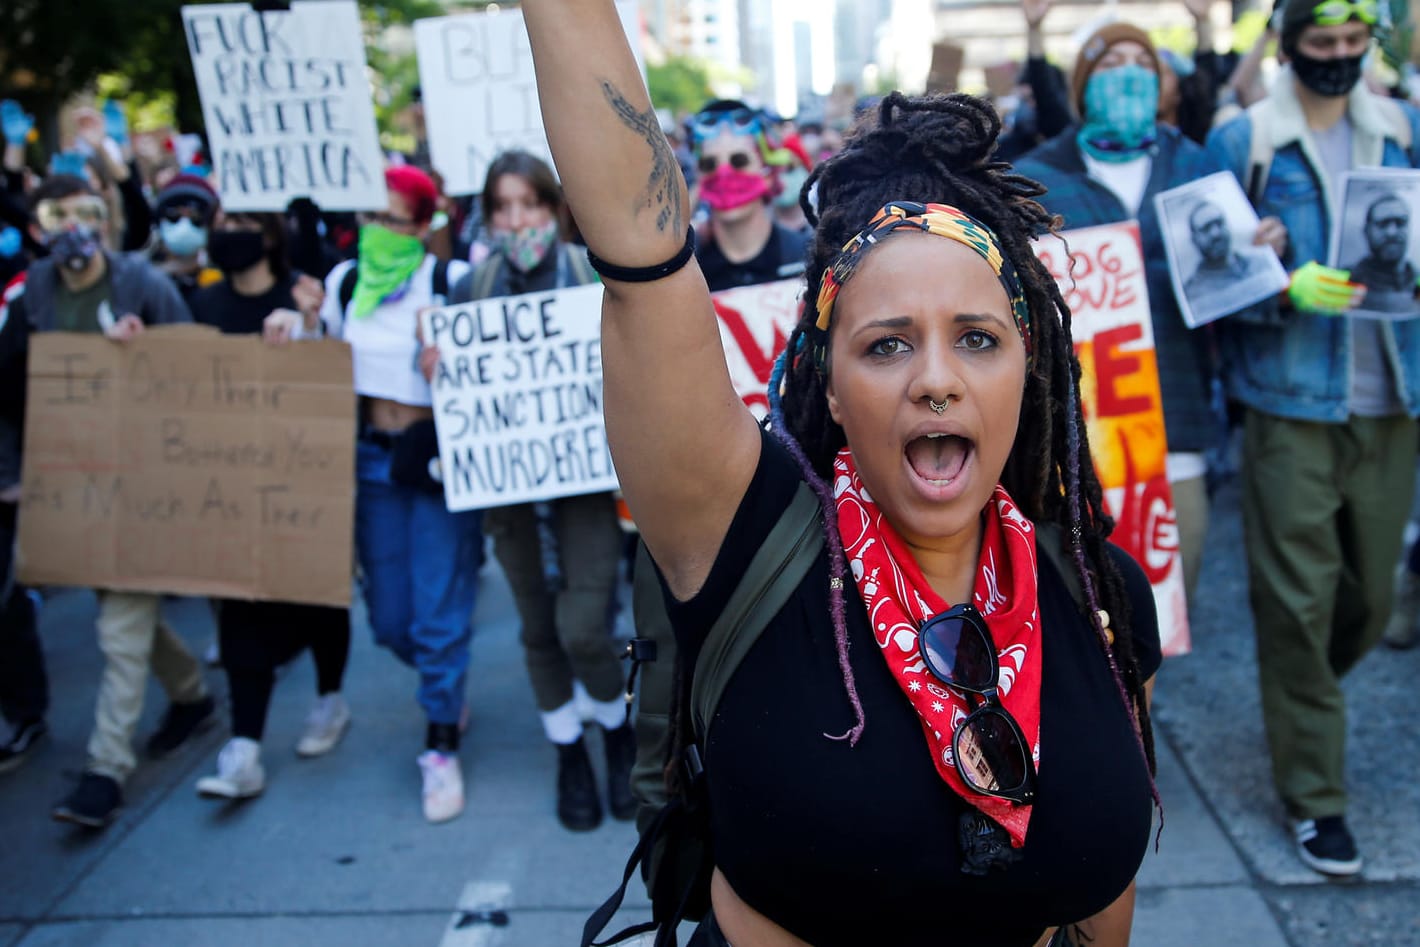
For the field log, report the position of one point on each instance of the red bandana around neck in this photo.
(899, 598)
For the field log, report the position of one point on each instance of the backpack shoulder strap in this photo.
(485, 277)
(440, 280)
(582, 272)
(1397, 121)
(347, 288)
(1050, 541)
(1259, 150)
(775, 571)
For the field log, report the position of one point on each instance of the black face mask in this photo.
(233, 251)
(1329, 77)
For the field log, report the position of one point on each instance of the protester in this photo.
(1329, 432)
(185, 208)
(418, 561)
(24, 685)
(739, 176)
(1188, 93)
(17, 243)
(97, 138)
(259, 294)
(1107, 169)
(565, 633)
(80, 287)
(1042, 108)
(928, 399)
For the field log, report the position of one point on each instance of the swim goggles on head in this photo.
(740, 121)
(1336, 12)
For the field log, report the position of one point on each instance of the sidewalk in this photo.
(336, 852)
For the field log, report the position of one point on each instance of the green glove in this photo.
(1323, 290)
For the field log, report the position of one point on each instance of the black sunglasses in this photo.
(739, 161)
(991, 753)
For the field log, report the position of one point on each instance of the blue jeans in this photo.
(420, 565)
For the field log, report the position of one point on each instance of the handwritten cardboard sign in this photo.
(1102, 279)
(480, 93)
(518, 398)
(286, 99)
(189, 462)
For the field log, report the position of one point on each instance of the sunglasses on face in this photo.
(740, 121)
(196, 213)
(991, 752)
(56, 215)
(1336, 12)
(740, 161)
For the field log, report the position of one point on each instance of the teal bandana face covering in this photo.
(1121, 107)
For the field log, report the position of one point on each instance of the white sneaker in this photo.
(325, 725)
(239, 772)
(443, 785)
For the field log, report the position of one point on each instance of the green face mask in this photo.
(387, 261)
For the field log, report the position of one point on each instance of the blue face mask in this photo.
(182, 237)
(1121, 108)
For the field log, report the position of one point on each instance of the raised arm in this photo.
(685, 446)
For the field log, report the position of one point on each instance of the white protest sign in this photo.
(755, 325)
(480, 93)
(287, 103)
(518, 398)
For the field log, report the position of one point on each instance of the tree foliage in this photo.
(681, 84)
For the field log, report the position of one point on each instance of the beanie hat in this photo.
(187, 189)
(1093, 51)
(1297, 15)
(417, 189)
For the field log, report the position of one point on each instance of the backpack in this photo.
(674, 849)
(439, 284)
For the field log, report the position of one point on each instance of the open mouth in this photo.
(938, 458)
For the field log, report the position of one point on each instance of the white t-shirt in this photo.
(383, 344)
(1127, 179)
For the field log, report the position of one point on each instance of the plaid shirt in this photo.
(1185, 363)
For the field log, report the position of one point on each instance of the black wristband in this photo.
(646, 274)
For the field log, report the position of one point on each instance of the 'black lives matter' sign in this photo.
(287, 103)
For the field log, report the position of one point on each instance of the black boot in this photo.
(578, 808)
(620, 757)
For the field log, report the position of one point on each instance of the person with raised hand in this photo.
(927, 406)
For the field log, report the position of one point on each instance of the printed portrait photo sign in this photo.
(1208, 227)
(480, 92)
(1100, 271)
(1376, 238)
(286, 98)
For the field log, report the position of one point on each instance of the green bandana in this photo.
(387, 261)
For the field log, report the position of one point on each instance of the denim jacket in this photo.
(1184, 360)
(1291, 363)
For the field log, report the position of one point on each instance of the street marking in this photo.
(481, 919)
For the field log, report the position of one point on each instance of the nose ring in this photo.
(939, 407)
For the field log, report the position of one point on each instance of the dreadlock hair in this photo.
(938, 149)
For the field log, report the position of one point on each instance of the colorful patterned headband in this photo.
(940, 219)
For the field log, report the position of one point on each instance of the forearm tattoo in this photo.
(663, 186)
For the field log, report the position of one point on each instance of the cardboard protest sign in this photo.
(287, 103)
(1102, 279)
(480, 93)
(755, 324)
(1208, 226)
(190, 462)
(1375, 242)
(518, 398)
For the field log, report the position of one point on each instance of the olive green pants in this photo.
(1324, 509)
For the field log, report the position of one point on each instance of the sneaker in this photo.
(181, 722)
(578, 807)
(443, 785)
(325, 725)
(1326, 845)
(22, 741)
(94, 803)
(1403, 629)
(620, 758)
(239, 772)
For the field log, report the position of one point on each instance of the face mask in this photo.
(1121, 105)
(1328, 77)
(726, 188)
(182, 237)
(74, 247)
(387, 261)
(525, 249)
(793, 180)
(235, 251)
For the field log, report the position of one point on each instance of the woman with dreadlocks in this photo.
(930, 398)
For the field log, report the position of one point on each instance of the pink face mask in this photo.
(726, 188)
